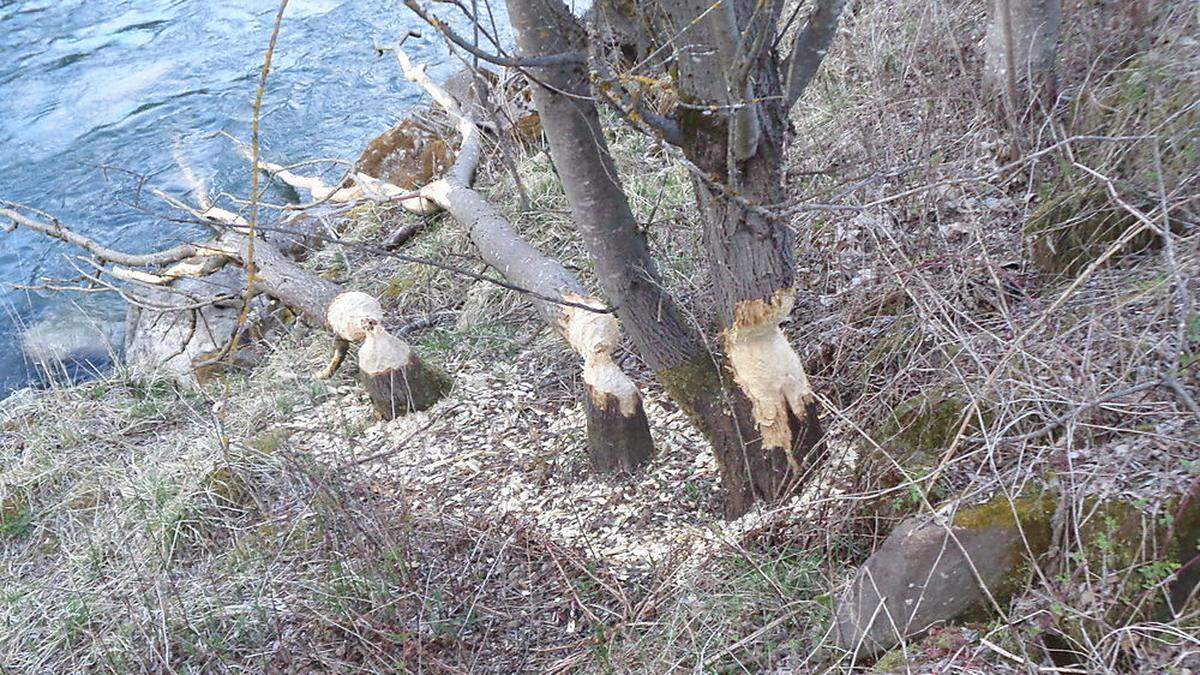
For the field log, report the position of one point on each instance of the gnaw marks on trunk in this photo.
(618, 432)
(396, 379)
(693, 376)
(733, 102)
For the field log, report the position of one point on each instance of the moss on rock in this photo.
(1026, 522)
(929, 572)
(911, 442)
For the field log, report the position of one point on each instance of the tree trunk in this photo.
(1020, 53)
(618, 431)
(397, 380)
(683, 364)
(751, 249)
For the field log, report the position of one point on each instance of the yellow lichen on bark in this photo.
(594, 336)
(767, 368)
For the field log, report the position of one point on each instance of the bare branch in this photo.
(56, 230)
(461, 42)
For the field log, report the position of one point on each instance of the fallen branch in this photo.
(396, 379)
(110, 255)
(618, 431)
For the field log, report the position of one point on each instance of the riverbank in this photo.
(268, 520)
(99, 101)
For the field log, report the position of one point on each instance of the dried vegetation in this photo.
(269, 522)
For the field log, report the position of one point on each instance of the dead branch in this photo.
(58, 231)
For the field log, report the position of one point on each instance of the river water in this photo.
(96, 97)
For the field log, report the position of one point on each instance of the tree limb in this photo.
(810, 48)
(56, 230)
(469, 47)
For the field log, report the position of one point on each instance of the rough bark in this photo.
(1020, 53)
(624, 266)
(618, 431)
(739, 152)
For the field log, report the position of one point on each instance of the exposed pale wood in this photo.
(618, 432)
(397, 380)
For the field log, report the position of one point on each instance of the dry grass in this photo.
(147, 528)
(929, 295)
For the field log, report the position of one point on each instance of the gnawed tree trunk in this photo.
(618, 431)
(626, 270)
(730, 121)
(397, 380)
(751, 249)
(1020, 53)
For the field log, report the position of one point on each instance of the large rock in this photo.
(1076, 226)
(409, 155)
(166, 338)
(71, 343)
(167, 334)
(923, 577)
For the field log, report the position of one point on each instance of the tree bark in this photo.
(739, 154)
(396, 379)
(1020, 53)
(618, 431)
(687, 369)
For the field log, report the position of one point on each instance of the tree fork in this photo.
(752, 251)
(679, 357)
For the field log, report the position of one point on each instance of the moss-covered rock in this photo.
(929, 572)
(409, 155)
(927, 423)
(1183, 552)
(911, 442)
(920, 577)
